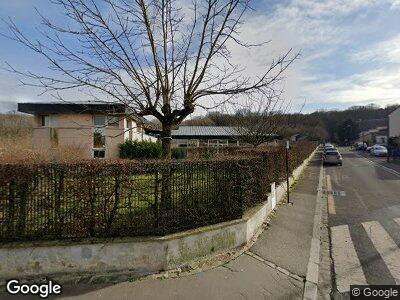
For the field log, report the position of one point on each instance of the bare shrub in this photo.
(15, 125)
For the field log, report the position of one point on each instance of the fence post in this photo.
(117, 182)
(11, 208)
(22, 209)
(239, 187)
(287, 171)
(166, 181)
(156, 206)
(59, 191)
(92, 211)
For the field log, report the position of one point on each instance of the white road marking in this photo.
(391, 171)
(386, 247)
(347, 265)
(397, 220)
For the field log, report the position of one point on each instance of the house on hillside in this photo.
(378, 135)
(298, 137)
(209, 136)
(96, 129)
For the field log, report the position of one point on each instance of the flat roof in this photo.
(210, 131)
(216, 132)
(70, 107)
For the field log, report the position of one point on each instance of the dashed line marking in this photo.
(391, 171)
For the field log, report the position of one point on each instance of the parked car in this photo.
(360, 146)
(378, 150)
(329, 147)
(368, 149)
(332, 157)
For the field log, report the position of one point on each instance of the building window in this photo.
(99, 120)
(217, 143)
(113, 121)
(99, 137)
(99, 153)
(99, 133)
(45, 120)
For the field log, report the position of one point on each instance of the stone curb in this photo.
(311, 283)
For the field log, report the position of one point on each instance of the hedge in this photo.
(133, 149)
(131, 198)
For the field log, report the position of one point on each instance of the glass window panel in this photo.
(99, 153)
(99, 138)
(113, 121)
(53, 120)
(99, 120)
(45, 120)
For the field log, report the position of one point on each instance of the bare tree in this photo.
(162, 58)
(263, 120)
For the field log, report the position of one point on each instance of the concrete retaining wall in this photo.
(139, 256)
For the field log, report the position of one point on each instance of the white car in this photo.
(332, 157)
(378, 150)
(329, 147)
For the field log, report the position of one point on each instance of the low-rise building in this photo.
(298, 137)
(95, 129)
(378, 135)
(213, 136)
(394, 123)
(210, 136)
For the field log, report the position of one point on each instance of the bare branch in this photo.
(156, 57)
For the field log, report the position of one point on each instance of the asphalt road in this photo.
(364, 221)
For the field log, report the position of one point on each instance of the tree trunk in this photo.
(166, 141)
(166, 182)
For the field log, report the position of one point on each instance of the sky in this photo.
(350, 50)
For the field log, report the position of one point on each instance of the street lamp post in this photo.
(287, 170)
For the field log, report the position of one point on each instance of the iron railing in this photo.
(125, 198)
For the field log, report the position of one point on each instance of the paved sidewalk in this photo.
(274, 268)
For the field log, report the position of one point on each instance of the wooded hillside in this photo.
(321, 124)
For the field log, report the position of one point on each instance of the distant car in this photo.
(378, 150)
(360, 146)
(332, 157)
(368, 149)
(329, 147)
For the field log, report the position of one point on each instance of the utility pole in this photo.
(389, 144)
(287, 170)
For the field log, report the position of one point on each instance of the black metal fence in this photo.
(124, 198)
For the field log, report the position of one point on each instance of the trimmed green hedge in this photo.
(140, 150)
(179, 153)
